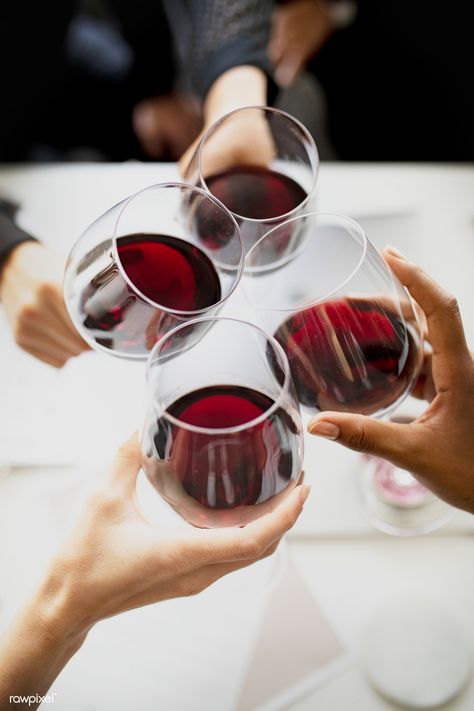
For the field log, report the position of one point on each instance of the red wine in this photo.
(170, 271)
(167, 270)
(349, 355)
(209, 476)
(257, 193)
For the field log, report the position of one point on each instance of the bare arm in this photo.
(116, 561)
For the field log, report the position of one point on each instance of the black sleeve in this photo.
(224, 35)
(10, 234)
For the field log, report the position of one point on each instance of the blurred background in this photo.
(117, 80)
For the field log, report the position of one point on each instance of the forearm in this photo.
(239, 86)
(38, 645)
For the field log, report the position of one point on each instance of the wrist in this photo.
(245, 85)
(58, 610)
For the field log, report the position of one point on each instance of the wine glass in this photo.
(261, 163)
(394, 499)
(346, 323)
(222, 439)
(145, 267)
(353, 341)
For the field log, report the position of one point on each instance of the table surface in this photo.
(349, 567)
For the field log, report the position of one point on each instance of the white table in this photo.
(192, 654)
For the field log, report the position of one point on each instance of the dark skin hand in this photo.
(437, 447)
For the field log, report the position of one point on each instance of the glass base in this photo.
(395, 502)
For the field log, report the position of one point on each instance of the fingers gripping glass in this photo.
(354, 343)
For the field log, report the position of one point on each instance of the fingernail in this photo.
(304, 493)
(394, 252)
(324, 429)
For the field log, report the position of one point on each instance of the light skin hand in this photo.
(31, 294)
(116, 561)
(299, 30)
(239, 86)
(438, 447)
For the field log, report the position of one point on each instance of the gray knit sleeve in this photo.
(213, 36)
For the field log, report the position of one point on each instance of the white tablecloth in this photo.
(194, 654)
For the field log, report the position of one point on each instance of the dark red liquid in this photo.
(167, 270)
(349, 355)
(257, 193)
(199, 473)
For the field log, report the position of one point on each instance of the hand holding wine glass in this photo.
(236, 87)
(438, 447)
(244, 140)
(115, 561)
(222, 438)
(261, 163)
(31, 293)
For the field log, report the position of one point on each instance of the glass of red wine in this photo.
(144, 267)
(222, 439)
(262, 164)
(353, 341)
(345, 322)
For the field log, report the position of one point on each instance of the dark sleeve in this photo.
(10, 234)
(225, 35)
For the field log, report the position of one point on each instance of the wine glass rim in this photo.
(251, 271)
(180, 186)
(284, 387)
(313, 160)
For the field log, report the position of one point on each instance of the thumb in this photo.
(126, 465)
(390, 440)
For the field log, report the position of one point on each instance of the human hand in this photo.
(116, 560)
(245, 139)
(299, 30)
(31, 293)
(166, 125)
(438, 447)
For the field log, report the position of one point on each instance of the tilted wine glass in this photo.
(353, 340)
(144, 267)
(262, 163)
(346, 323)
(222, 439)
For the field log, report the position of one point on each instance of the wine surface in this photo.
(169, 271)
(350, 355)
(256, 192)
(222, 470)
